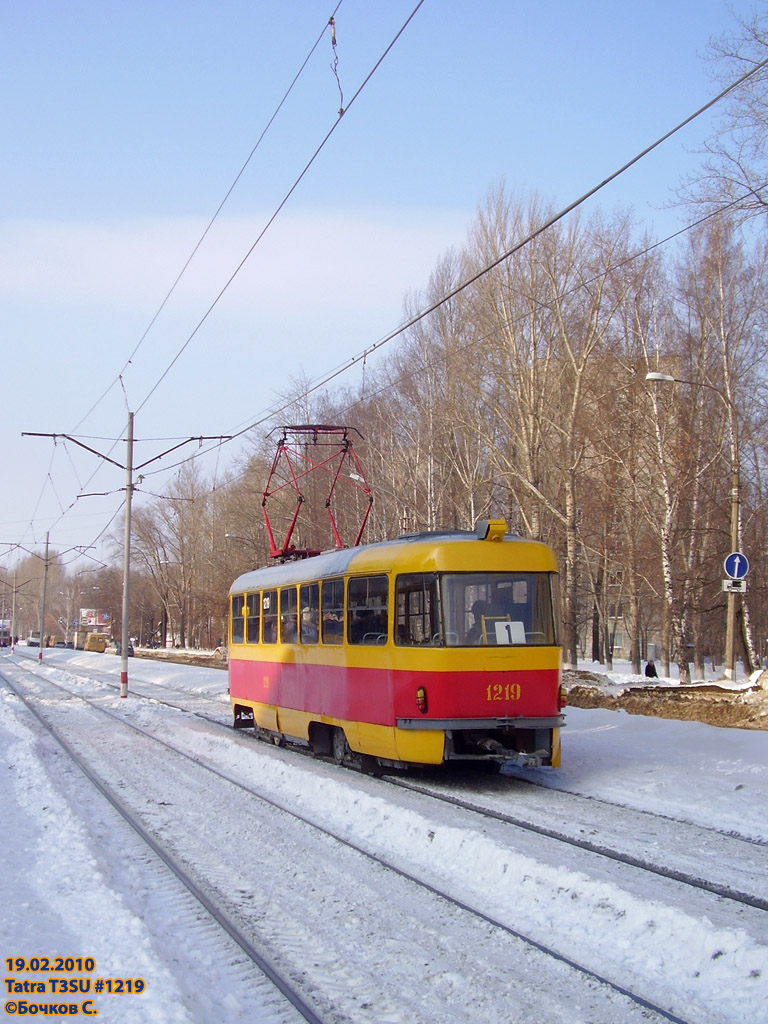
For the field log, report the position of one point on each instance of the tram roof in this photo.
(413, 550)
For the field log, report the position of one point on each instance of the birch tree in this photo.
(547, 309)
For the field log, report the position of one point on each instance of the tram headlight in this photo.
(563, 700)
(421, 700)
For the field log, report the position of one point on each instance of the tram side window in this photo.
(252, 619)
(367, 611)
(238, 623)
(289, 616)
(309, 599)
(417, 619)
(269, 617)
(332, 611)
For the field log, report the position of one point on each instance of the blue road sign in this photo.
(736, 565)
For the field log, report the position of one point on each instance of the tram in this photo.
(430, 648)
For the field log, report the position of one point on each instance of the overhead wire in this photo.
(30, 524)
(213, 219)
(268, 415)
(361, 356)
(550, 222)
(280, 206)
(119, 378)
(331, 375)
(271, 219)
(638, 254)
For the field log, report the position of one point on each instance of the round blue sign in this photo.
(736, 565)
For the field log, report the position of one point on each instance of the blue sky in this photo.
(125, 123)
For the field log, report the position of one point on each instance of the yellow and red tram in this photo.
(429, 648)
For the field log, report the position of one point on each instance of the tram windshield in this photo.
(477, 609)
(499, 608)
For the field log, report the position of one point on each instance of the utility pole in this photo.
(127, 561)
(13, 615)
(42, 609)
(730, 615)
(16, 587)
(127, 545)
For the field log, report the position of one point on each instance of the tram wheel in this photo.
(340, 746)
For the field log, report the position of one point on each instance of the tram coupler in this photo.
(526, 760)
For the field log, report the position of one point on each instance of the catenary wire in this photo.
(264, 230)
(118, 379)
(280, 206)
(210, 224)
(274, 410)
(659, 243)
(397, 332)
(550, 222)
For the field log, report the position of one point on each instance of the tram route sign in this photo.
(736, 565)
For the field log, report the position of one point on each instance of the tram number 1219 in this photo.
(502, 691)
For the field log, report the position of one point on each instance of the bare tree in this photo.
(723, 296)
(171, 545)
(628, 485)
(735, 167)
(548, 310)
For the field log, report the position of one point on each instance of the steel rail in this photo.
(215, 912)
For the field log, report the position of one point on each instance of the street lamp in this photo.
(730, 620)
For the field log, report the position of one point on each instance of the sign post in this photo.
(736, 567)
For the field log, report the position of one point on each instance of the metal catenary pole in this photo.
(127, 546)
(125, 628)
(42, 604)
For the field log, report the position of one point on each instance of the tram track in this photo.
(647, 1006)
(755, 867)
(722, 852)
(172, 863)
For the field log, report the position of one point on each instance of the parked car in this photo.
(129, 651)
(60, 643)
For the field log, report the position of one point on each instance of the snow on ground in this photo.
(710, 776)
(55, 902)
